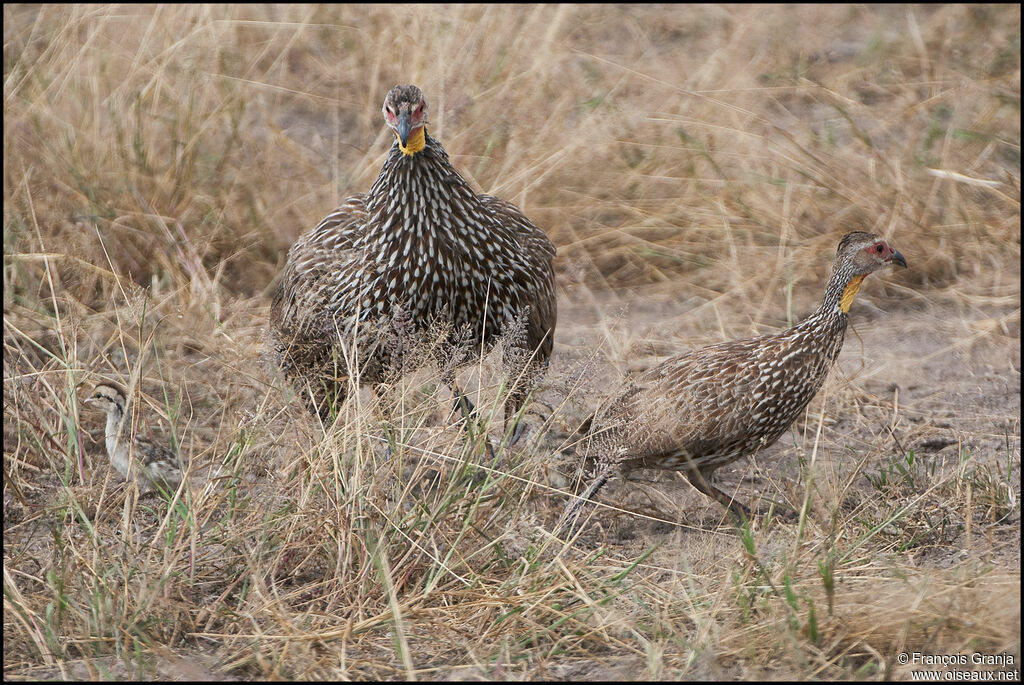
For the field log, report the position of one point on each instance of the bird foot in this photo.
(519, 430)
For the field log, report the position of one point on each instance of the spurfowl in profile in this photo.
(420, 245)
(698, 411)
(155, 465)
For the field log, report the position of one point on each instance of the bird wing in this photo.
(147, 451)
(535, 281)
(535, 242)
(693, 404)
(318, 277)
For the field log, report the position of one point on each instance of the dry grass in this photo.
(695, 167)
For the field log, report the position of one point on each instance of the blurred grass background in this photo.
(650, 143)
(160, 160)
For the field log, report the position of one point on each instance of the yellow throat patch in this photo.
(417, 141)
(851, 291)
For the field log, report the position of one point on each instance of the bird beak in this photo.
(897, 258)
(404, 127)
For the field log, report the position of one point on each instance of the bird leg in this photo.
(324, 389)
(702, 482)
(523, 374)
(572, 512)
(464, 405)
(512, 406)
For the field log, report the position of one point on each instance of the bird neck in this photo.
(825, 329)
(415, 196)
(115, 417)
(842, 288)
(417, 141)
(849, 292)
(117, 446)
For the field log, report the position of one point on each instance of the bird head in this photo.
(860, 254)
(108, 397)
(867, 252)
(405, 112)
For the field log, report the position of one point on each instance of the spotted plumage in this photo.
(701, 410)
(155, 466)
(420, 242)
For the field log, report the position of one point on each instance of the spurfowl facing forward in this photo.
(155, 465)
(698, 411)
(420, 245)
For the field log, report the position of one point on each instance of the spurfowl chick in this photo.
(701, 410)
(422, 243)
(155, 465)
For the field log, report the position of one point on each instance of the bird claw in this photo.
(517, 432)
